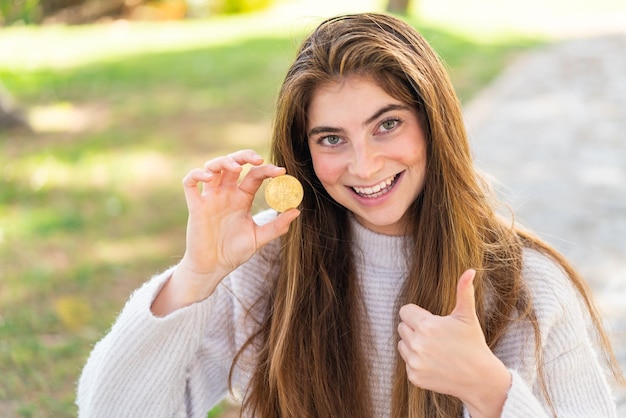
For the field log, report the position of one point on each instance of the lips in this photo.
(377, 190)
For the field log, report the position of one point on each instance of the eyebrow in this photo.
(376, 115)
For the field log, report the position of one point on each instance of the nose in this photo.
(365, 160)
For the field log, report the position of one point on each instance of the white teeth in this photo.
(376, 190)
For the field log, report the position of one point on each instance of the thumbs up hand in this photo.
(449, 354)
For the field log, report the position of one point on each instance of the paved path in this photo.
(552, 131)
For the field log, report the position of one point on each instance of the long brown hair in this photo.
(310, 362)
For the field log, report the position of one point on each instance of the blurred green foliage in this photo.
(238, 6)
(24, 11)
(91, 203)
(34, 11)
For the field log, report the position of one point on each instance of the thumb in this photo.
(275, 228)
(465, 301)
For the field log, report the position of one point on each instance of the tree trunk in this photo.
(85, 11)
(50, 7)
(398, 6)
(11, 116)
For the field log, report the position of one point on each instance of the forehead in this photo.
(349, 98)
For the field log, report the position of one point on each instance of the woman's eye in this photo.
(389, 124)
(331, 140)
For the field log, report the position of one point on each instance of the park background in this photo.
(104, 118)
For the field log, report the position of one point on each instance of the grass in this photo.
(91, 204)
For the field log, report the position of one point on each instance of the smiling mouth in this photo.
(378, 189)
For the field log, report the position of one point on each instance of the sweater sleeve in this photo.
(573, 375)
(178, 365)
(139, 368)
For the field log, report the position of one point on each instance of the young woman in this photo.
(394, 290)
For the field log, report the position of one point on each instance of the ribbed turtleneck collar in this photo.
(378, 250)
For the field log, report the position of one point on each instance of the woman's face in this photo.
(368, 150)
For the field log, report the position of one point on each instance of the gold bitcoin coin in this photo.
(283, 193)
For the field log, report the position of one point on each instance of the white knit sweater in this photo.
(178, 366)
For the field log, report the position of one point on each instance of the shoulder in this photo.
(556, 302)
(544, 275)
(547, 281)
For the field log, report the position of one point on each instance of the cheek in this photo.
(415, 155)
(411, 157)
(326, 169)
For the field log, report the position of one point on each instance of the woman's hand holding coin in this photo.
(221, 234)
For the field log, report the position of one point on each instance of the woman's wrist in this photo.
(487, 397)
(185, 287)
